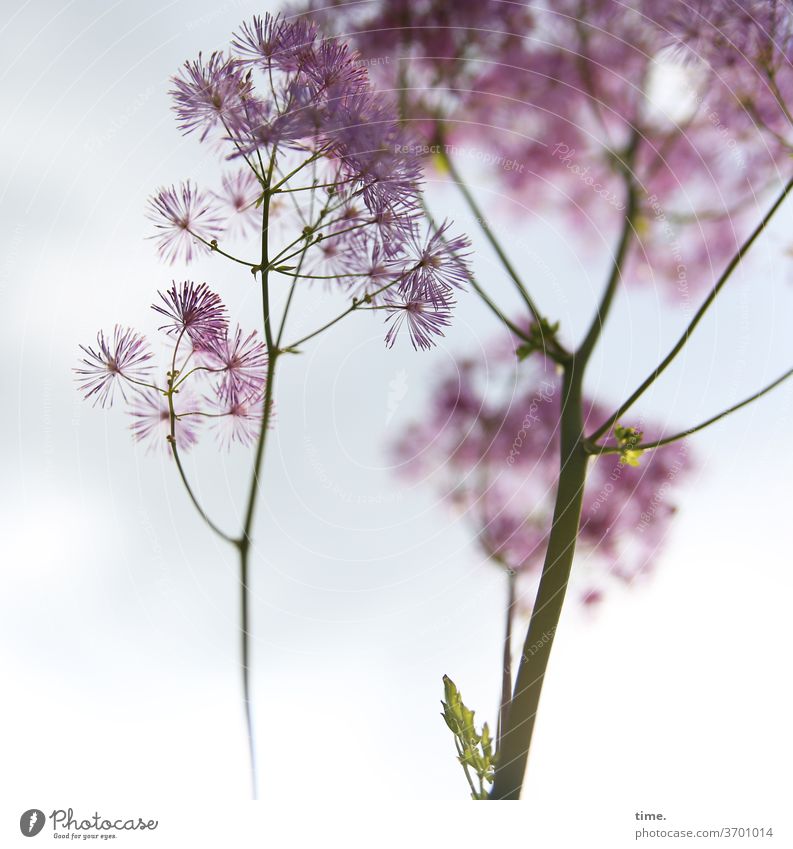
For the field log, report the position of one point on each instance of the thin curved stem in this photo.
(681, 342)
(228, 538)
(320, 276)
(283, 256)
(465, 768)
(185, 375)
(289, 298)
(259, 177)
(313, 187)
(324, 327)
(356, 304)
(244, 541)
(494, 243)
(172, 443)
(215, 249)
(287, 177)
(593, 448)
(628, 232)
(142, 383)
(494, 308)
(506, 660)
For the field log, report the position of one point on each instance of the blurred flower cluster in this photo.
(489, 444)
(692, 98)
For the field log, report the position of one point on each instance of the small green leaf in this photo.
(524, 351)
(474, 748)
(541, 336)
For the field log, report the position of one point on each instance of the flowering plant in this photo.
(658, 128)
(322, 191)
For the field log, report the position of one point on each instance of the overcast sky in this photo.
(119, 609)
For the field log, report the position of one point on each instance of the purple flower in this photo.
(551, 99)
(239, 422)
(438, 263)
(241, 190)
(151, 420)
(365, 134)
(425, 319)
(242, 365)
(370, 266)
(271, 43)
(395, 226)
(208, 94)
(333, 74)
(196, 311)
(114, 362)
(182, 216)
(265, 127)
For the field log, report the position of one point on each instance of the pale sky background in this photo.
(119, 609)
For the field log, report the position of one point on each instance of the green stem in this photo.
(187, 486)
(244, 549)
(521, 334)
(465, 768)
(213, 246)
(494, 243)
(627, 234)
(244, 542)
(681, 342)
(289, 299)
(519, 722)
(313, 187)
(516, 725)
(356, 304)
(313, 158)
(284, 257)
(506, 664)
(172, 375)
(593, 448)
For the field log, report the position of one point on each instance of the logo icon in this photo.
(31, 822)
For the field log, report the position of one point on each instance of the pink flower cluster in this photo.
(693, 99)
(490, 445)
(297, 114)
(213, 374)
